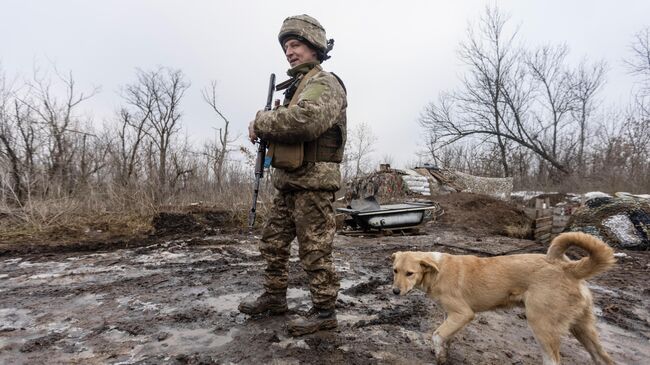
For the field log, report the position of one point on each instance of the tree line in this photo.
(522, 112)
(53, 158)
(528, 113)
(49, 150)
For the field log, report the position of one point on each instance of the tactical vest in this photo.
(328, 147)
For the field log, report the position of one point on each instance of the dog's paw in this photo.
(441, 356)
(439, 349)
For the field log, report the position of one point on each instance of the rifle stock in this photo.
(261, 156)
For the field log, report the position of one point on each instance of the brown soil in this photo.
(173, 300)
(479, 213)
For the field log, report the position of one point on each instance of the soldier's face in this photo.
(298, 53)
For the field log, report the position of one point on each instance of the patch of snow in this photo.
(526, 194)
(625, 195)
(596, 194)
(621, 226)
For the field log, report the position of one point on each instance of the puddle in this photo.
(354, 318)
(12, 319)
(197, 339)
(93, 300)
(160, 258)
(616, 339)
(13, 261)
(179, 341)
(600, 289)
(138, 305)
(225, 303)
(295, 293)
(230, 302)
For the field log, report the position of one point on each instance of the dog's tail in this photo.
(601, 256)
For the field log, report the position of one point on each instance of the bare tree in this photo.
(547, 67)
(494, 101)
(218, 150)
(585, 82)
(639, 64)
(59, 120)
(8, 141)
(132, 128)
(360, 144)
(509, 98)
(157, 95)
(183, 166)
(490, 54)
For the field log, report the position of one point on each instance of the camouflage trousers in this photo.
(309, 216)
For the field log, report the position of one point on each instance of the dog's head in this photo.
(409, 268)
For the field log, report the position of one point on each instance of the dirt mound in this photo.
(116, 230)
(480, 213)
(195, 220)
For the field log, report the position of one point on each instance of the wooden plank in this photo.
(531, 213)
(561, 219)
(542, 203)
(544, 220)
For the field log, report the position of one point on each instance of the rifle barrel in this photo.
(261, 156)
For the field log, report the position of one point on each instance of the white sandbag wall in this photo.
(417, 183)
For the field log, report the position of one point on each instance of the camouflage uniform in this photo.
(303, 202)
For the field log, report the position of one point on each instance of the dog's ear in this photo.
(393, 256)
(428, 265)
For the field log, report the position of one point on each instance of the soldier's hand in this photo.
(251, 132)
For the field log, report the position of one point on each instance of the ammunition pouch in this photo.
(328, 147)
(286, 156)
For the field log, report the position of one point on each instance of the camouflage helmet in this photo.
(305, 28)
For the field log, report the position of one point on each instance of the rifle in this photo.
(261, 156)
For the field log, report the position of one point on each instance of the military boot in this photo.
(273, 303)
(315, 320)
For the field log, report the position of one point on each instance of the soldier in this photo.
(306, 138)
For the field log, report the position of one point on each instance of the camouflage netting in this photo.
(386, 187)
(392, 184)
(496, 187)
(621, 222)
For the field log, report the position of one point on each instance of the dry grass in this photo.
(73, 227)
(114, 212)
(517, 231)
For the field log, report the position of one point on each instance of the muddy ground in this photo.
(175, 301)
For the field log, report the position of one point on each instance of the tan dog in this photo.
(551, 287)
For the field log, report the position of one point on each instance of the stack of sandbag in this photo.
(417, 183)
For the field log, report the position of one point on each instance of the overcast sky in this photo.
(394, 56)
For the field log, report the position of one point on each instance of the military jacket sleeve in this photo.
(319, 105)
